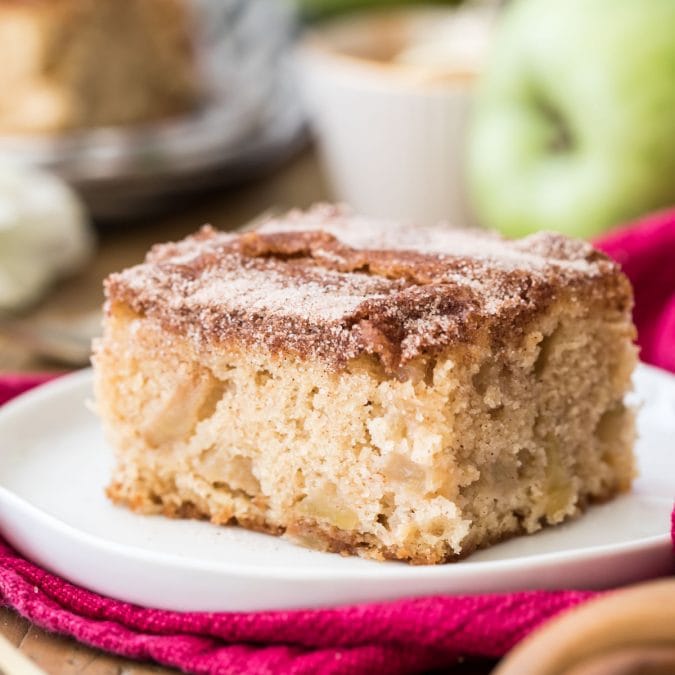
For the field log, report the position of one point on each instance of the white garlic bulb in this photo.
(44, 234)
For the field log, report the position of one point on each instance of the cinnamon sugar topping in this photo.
(326, 284)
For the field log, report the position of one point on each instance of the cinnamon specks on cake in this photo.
(331, 285)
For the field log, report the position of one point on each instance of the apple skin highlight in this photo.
(574, 124)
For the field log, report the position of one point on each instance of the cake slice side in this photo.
(516, 421)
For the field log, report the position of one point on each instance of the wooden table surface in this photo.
(298, 184)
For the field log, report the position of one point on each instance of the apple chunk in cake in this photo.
(364, 387)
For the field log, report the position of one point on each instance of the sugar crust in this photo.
(423, 392)
(326, 284)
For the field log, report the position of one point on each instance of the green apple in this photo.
(317, 9)
(574, 121)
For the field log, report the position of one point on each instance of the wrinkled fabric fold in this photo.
(403, 636)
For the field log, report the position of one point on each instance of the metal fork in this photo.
(51, 339)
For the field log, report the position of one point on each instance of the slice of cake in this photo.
(366, 387)
(69, 64)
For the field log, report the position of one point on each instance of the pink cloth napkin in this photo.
(646, 251)
(399, 637)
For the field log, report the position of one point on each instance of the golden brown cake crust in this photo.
(325, 284)
(333, 540)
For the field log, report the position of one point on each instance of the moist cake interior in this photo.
(489, 405)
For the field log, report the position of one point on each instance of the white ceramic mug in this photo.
(391, 135)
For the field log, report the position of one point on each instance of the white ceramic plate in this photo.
(54, 465)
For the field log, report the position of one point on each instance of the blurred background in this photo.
(124, 124)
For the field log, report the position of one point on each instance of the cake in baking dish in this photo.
(366, 387)
(72, 64)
